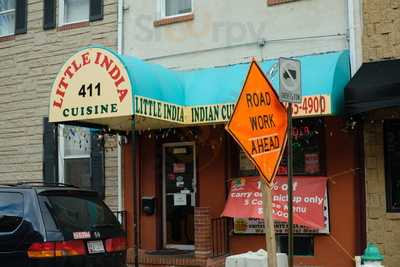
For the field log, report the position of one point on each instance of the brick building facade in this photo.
(381, 37)
(377, 116)
(30, 62)
(382, 226)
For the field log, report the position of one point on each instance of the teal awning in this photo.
(162, 97)
(322, 75)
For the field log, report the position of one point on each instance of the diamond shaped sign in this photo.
(259, 123)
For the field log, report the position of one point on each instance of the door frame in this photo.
(164, 197)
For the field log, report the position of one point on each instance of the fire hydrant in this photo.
(372, 256)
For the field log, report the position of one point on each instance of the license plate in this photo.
(95, 247)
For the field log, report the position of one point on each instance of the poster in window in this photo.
(171, 177)
(248, 226)
(180, 199)
(311, 162)
(179, 167)
(256, 226)
(180, 181)
(311, 214)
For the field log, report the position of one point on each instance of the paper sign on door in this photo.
(180, 199)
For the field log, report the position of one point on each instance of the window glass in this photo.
(76, 10)
(6, 5)
(302, 245)
(308, 145)
(392, 167)
(77, 213)
(76, 156)
(177, 7)
(308, 151)
(11, 211)
(77, 172)
(77, 141)
(7, 17)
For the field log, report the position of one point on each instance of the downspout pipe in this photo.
(120, 143)
(120, 26)
(354, 12)
(120, 42)
(355, 46)
(135, 182)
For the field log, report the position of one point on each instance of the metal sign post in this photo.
(264, 145)
(290, 186)
(290, 91)
(269, 224)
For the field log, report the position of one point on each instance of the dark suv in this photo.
(43, 225)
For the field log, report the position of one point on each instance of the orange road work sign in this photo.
(259, 123)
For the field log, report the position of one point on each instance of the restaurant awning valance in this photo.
(96, 85)
(376, 85)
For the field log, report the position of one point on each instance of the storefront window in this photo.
(308, 151)
(392, 167)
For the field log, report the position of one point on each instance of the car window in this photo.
(76, 213)
(11, 211)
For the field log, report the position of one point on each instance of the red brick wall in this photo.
(148, 183)
(202, 232)
(211, 169)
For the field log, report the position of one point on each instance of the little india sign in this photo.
(96, 86)
(92, 84)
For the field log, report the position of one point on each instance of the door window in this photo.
(179, 195)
